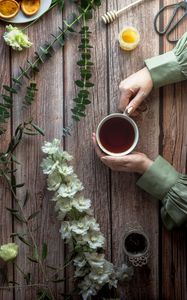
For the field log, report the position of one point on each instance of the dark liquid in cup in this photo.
(117, 135)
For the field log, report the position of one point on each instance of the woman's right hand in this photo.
(134, 90)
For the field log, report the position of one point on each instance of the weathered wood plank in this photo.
(5, 197)
(129, 204)
(47, 112)
(174, 246)
(93, 174)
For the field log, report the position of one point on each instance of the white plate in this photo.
(21, 18)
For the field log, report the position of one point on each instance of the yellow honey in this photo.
(129, 38)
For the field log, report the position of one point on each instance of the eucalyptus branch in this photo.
(6, 161)
(32, 68)
(85, 64)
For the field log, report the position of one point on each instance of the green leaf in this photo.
(9, 89)
(24, 73)
(33, 215)
(86, 74)
(18, 217)
(43, 295)
(14, 159)
(7, 99)
(86, 55)
(27, 278)
(16, 81)
(81, 63)
(89, 84)
(19, 185)
(23, 240)
(75, 117)
(85, 41)
(12, 210)
(44, 251)
(38, 129)
(44, 50)
(84, 92)
(32, 259)
(79, 83)
(13, 234)
(26, 198)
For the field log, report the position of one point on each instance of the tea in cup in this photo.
(117, 134)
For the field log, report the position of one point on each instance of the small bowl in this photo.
(129, 38)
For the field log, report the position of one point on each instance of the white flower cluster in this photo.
(16, 38)
(78, 224)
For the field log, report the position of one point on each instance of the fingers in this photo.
(116, 163)
(100, 154)
(125, 99)
(136, 102)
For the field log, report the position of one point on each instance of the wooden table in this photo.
(117, 202)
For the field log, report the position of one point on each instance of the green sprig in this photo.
(85, 64)
(45, 52)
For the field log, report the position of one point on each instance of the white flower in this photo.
(81, 204)
(54, 181)
(64, 169)
(65, 230)
(72, 186)
(94, 239)
(79, 261)
(93, 224)
(102, 271)
(48, 165)
(80, 227)
(87, 288)
(51, 148)
(62, 156)
(63, 206)
(16, 38)
(9, 251)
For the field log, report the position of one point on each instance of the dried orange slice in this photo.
(8, 9)
(30, 7)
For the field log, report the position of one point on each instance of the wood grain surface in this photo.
(130, 206)
(174, 147)
(118, 204)
(5, 197)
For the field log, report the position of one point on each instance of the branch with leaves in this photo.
(51, 274)
(85, 65)
(45, 52)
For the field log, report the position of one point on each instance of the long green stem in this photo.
(56, 39)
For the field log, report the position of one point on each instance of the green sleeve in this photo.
(170, 67)
(163, 182)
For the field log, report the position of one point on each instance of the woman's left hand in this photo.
(134, 162)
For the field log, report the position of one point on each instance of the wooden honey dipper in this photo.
(110, 16)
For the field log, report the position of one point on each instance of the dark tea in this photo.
(117, 135)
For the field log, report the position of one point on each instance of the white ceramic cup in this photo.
(136, 134)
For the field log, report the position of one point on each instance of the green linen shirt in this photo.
(161, 180)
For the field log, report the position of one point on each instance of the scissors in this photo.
(172, 24)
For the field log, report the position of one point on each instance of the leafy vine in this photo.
(45, 52)
(85, 64)
(27, 234)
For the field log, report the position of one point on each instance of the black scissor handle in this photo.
(173, 28)
(176, 7)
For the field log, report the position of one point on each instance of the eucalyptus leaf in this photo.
(32, 216)
(23, 240)
(44, 251)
